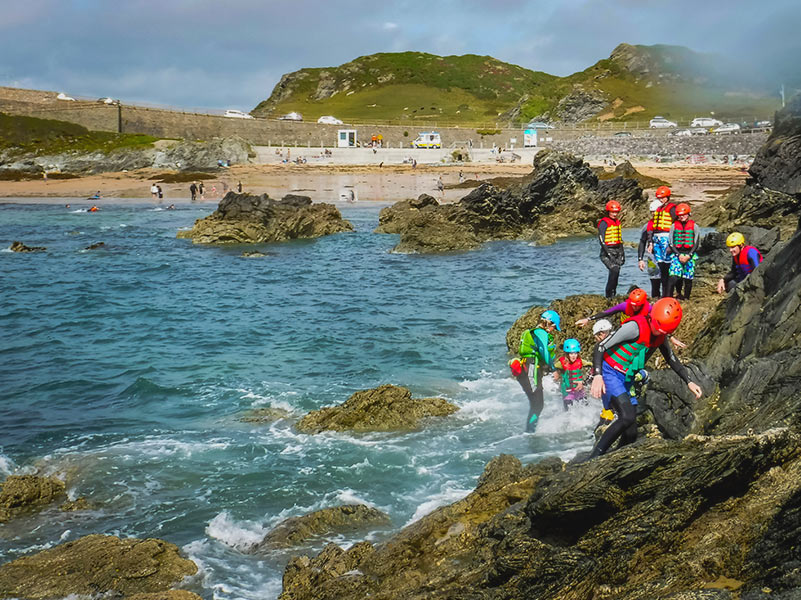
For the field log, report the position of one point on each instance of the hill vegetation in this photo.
(634, 84)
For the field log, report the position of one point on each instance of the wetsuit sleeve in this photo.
(673, 362)
(673, 248)
(696, 240)
(602, 225)
(617, 308)
(642, 244)
(753, 257)
(628, 332)
(732, 274)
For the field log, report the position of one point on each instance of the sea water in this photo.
(126, 371)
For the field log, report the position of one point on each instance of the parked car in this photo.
(293, 116)
(63, 96)
(705, 122)
(727, 128)
(699, 131)
(329, 120)
(538, 125)
(661, 122)
(763, 124)
(237, 114)
(682, 133)
(621, 134)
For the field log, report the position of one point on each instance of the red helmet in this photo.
(662, 191)
(613, 206)
(637, 297)
(682, 209)
(666, 315)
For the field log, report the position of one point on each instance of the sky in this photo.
(203, 54)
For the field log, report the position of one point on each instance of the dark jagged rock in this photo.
(348, 518)
(24, 493)
(561, 197)
(20, 247)
(75, 505)
(385, 408)
(96, 565)
(95, 246)
(772, 197)
(245, 218)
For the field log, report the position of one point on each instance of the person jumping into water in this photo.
(537, 353)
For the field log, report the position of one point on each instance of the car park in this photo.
(727, 129)
(237, 114)
(293, 116)
(329, 120)
(705, 122)
(661, 122)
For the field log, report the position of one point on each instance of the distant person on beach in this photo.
(536, 356)
(154, 191)
(171, 207)
(611, 240)
(200, 191)
(440, 186)
(160, 192)
(461, 177)
(744, 259)
(193, 191)
(44, 176)
(239, 187)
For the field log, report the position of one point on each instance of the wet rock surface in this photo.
(246, 218)
(561, 197)
(97, 564)
(20, 247)
(385, 408)
(25, 493)
(337, 519)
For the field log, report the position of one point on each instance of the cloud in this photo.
(390, 26)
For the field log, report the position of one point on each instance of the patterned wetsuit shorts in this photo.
(661, 247)
(686, 270)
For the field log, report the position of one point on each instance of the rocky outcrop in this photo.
(265, 415)
(96, 565)
(385, 408)
(25, 493)
(561, 197)
(772, 197)
(246, 218)
(580, 104)
(20, 247)
(348, 518)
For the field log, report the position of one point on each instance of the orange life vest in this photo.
(613, 234)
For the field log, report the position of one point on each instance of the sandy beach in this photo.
(693, 183)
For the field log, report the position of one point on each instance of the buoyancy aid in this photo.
(684, 234)
(531, 349)
(613, 235)
(629, 312)
(741, 264)
(663, 219)
(621, 356)
(572, 372)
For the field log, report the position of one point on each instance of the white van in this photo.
(237, 114)
(427, 139)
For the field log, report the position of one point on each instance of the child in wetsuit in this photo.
(570, 373)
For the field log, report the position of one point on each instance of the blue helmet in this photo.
(572, 345)
(553, 317)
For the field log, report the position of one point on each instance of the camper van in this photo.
(428, 139)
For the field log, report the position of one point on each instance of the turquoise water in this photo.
(126, 370)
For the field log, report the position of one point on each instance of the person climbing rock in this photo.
(536, 356)
(570, 373)
(611, 238)
(615, 356)
(660, 236)
(683, 243)
(636, 304)
(744, 259)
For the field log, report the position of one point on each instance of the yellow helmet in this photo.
(735, 239)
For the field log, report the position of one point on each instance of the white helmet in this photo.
(655, 203)
(602, 325)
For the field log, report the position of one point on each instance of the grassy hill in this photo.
(49, 136)
(634, 84)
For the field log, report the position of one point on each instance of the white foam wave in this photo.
(6, 250)
(240, 535)
(7, 465)
(449, 494)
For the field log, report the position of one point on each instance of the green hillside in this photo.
(634, 84)
(48, 136)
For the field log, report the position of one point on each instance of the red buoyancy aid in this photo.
(684, 234)
(572, 372)
(629, 312)
(620, 356)
(613, 235)
(662, 217)
(741, 263)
